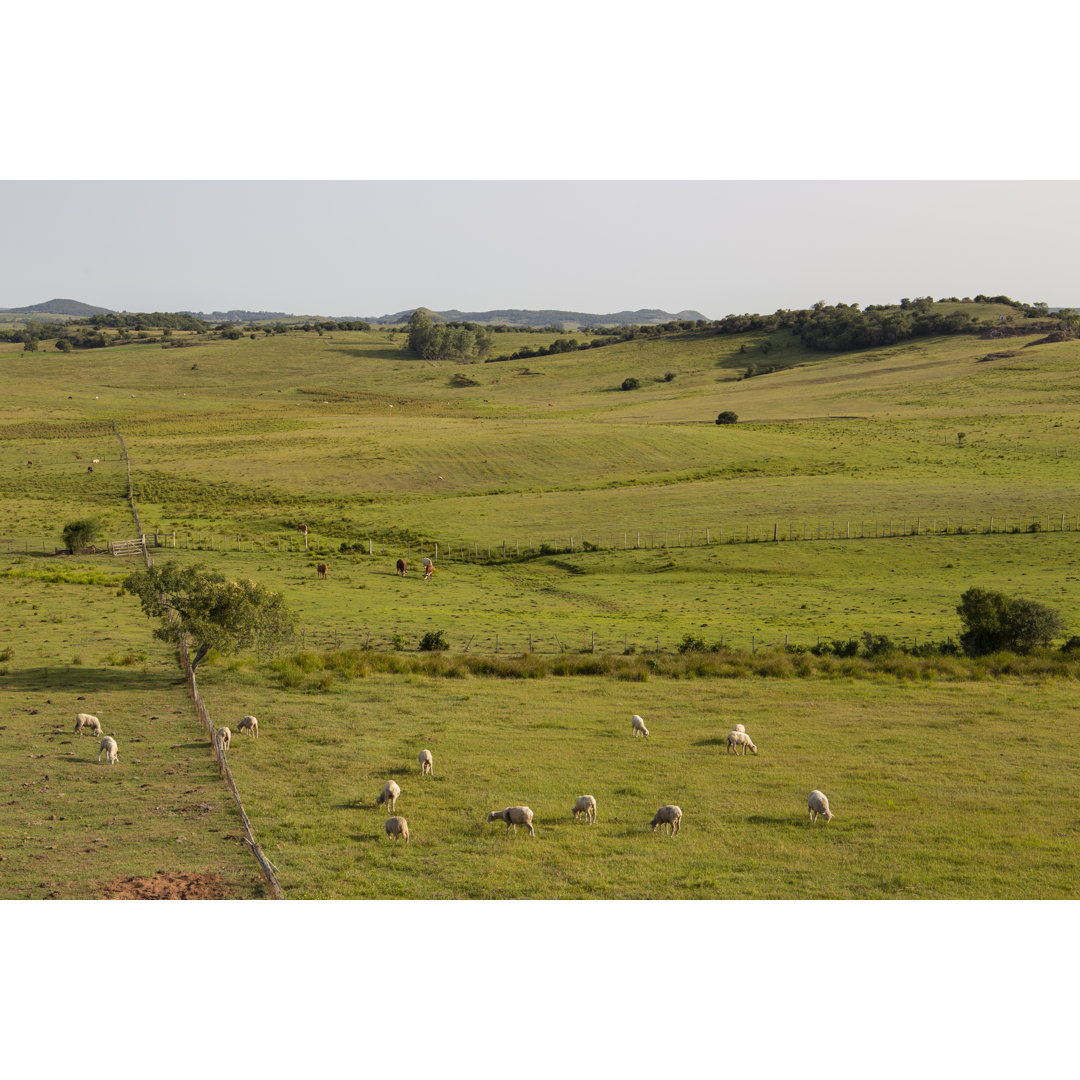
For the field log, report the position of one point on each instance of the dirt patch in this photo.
(166, 886)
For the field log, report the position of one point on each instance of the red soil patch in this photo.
(165, 886)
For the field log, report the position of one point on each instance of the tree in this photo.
(64, 345)
(994, 622)
(630, 384)
(80, 534)
(727, 417)
(202, 605)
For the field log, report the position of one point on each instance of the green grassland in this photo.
(241, 440)
(938, 792)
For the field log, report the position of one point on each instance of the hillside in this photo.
(546, 317)
(74, 308)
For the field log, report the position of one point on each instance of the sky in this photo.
(725, 157)
(373, 247)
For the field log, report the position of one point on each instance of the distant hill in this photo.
(546, 317)
(60, 307)
(237, 316)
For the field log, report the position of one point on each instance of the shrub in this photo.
(727, 417)
(433, 641)
(630, 384)
(691, 644)
(80, 534)
(994, 622)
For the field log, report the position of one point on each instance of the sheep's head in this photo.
(753, 749)
(495, 815)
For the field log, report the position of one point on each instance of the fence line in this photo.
(760, 530)
(267, 867)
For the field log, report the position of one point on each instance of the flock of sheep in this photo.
(108, 747)
(513, 816)
(585, 806)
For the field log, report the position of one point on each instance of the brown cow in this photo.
(401, 567)
(320, 569)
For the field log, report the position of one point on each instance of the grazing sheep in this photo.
(397, 826)
(91, 723)
(250, 725)
(514, 816)
(739, 727)
(388, 795)
(108, 748)
(426, 763)
(738, 738)
(224, 737)
(667, 815)
(819, 804)
(586, 805)
(637, 726)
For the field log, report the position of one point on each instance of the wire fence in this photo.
(756, 531)
(268, 869)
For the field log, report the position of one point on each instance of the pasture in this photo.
(941, 786)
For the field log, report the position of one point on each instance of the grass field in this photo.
(935, 791)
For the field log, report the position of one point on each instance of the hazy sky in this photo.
(374, 247)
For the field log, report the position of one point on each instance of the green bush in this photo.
(80, 534)
(630, 384)
(994, 622)
(727, 417)
(433, 641)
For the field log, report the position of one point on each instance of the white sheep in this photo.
(250, 725)
(667, 815)
(637, 726)
(397, 826)
(108, 748)
(90, 723)
(739, 727)
(425, 763)
(819, 804)
(586, 805)
(224, 737)
(388, 795)
(514, 816)
(738, 738)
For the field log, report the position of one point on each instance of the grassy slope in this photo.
(261, 434)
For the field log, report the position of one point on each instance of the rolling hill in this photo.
(59, 307)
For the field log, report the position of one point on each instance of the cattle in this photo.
(320, 569)
(401, 567)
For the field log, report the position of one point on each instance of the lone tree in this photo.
(727, 417)
(80, 534)
(994, 622)
(200, 605)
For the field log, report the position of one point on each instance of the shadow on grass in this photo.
(79, 678)
(712, 742)
(767, 819)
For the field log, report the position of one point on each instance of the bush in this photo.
(80, 534)
(994, 622)
(630, 384)
(727, 417)
(433, 641)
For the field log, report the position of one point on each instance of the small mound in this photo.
(166, 886)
